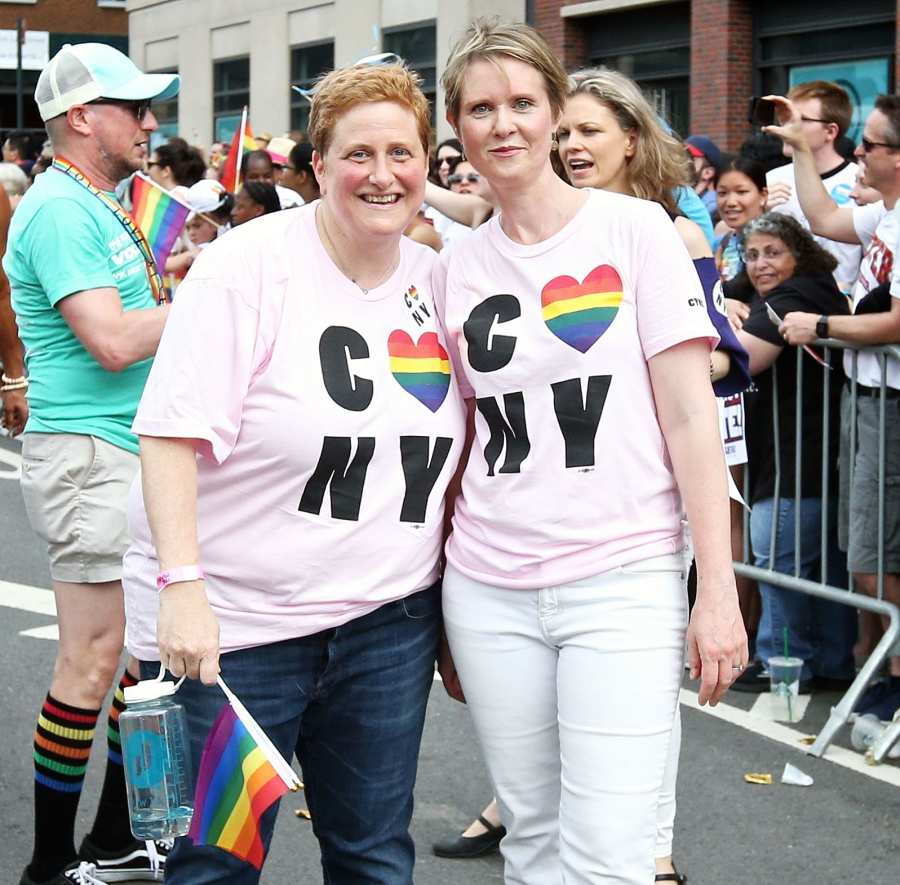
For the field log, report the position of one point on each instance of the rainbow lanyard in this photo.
(136, 234)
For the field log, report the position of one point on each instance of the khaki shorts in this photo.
(76, 491)
(858, 506)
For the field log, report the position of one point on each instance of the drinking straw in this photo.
(784, 639)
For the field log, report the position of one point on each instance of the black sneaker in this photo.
(139, 861)
(78, 873)
(877, 693)
(754, 679)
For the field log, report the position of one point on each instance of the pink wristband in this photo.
(177, 575)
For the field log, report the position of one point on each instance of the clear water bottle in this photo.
(156, 756)
(867, 729)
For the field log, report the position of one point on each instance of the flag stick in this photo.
(240, 153)
(282, 769)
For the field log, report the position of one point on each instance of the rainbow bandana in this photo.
(136, 234)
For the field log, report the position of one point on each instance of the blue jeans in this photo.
(350, 702)
(820, 632)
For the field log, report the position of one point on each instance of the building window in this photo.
(795, 42)
(166, 113)
(231, 93)
(308, 63)
(654, 50)
(417, 46)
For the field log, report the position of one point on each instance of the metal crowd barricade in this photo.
(890, 642)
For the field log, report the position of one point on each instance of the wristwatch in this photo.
(178, 575)
(822, 327)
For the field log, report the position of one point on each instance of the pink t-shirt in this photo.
(328, 428)
(569, 474)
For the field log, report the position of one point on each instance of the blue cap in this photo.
(707, 147)
(83, 72)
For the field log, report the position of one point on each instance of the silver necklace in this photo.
(341, 267)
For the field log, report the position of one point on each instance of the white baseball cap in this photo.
(83, 72)
(206, 195)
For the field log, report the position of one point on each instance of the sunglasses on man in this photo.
(139, 109)
(869, 146)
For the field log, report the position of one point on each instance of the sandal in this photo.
(680, 878)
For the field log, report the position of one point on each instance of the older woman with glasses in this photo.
(790, 271)
(579, 330)
(298, 433)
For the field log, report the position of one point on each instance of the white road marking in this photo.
(51, 631)
(762, 708)
(31, 599)
(775, 731)
(10, 465)
(28, 599)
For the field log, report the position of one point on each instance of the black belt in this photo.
(862, 390)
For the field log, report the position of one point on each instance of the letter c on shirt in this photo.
(488, 353)
(337, 346)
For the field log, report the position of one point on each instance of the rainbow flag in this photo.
(237, 782)
(242, 142)
(159, 215)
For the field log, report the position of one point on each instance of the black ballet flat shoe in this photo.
(680, 878)
(465, 847)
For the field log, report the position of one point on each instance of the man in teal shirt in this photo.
(85, 294)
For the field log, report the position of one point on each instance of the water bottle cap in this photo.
(149, 690)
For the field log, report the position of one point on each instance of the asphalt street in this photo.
(845, 828)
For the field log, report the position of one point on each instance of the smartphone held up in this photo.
(762, 112)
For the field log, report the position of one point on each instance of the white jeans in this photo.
(573, 691)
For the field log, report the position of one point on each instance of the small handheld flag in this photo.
(243, 141)
(159, 215)
(241, 775)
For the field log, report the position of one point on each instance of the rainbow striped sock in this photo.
(112, 829)
(62, 745)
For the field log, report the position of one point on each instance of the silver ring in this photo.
(738, 667)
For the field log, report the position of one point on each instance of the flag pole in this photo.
(240, 153)
(282, 769)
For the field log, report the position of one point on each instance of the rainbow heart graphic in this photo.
(580, 313)
(421, 369)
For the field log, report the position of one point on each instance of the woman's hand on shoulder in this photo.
(717, 640)
(737, 313)
(187, 632)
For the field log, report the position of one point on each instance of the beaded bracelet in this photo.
(8, 383)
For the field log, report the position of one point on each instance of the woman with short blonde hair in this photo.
(578, 329)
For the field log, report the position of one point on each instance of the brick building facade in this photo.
(702, 60)
(66, 21)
